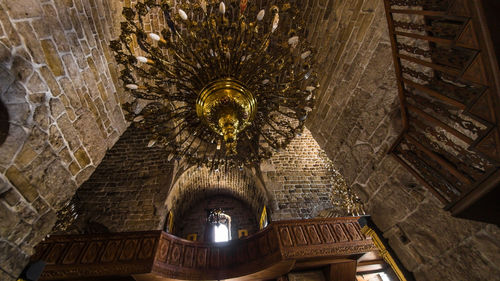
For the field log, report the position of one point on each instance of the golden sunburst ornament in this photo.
(227, 82)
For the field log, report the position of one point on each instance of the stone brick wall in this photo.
(59, 90)
(242, 217)
(57, 81)
(128, 190)
(357, 119)
(299, 180)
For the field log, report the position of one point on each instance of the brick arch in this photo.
(197, 183)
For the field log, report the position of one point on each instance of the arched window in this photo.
(220, 224)
(221, 233)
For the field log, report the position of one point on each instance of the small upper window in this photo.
(221, 233)
(221, 225)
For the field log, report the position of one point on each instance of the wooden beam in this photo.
(425, 37)
(435, 94)
(441, 124)
(418, 12)
(342, 271)
(397, 65)
(434, 66)
(443, 162)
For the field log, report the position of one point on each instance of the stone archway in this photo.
(198, 183)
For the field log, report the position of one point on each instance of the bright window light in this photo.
(384, 276)
(221, 233)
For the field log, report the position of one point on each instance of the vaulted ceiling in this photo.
(58, 81)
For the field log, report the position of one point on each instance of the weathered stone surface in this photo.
(401, 245)
(11, 196)
(17, 136)
(36, 85)
(24, 9)
(14, 93)
(487, 243)
(40, 72)
(41, 117)
(389, 205)
(12, 258)
(69, 131)
(468, 264)
(21, 68)
(19, 113)
(4, 186)
(8, 219)
(44, 225)
(82, 157)
(5, 276)
(52, 58)
(424, 227)
(25, 156)
(57, 185)
(56, 144)
(7, 79)
(358, 105)
(21, 183)
(91, 136)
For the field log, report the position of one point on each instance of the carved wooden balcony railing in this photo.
(448, 82)
(155, 255)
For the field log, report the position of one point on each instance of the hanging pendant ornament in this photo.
(222, 8)
(203, 5)
(293, 41)
(276, 21)
(243, 6)
(183, 14)
(261, 14)
(197, 64)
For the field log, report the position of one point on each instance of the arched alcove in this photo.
(194, 219)
(197, 184)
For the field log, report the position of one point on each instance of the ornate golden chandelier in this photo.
(226, 82)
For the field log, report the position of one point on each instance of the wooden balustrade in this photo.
(449, 82)
(155, 255)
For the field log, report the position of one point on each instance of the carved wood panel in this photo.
(449, 84)
(321, 238)
(75, 256)
(83, 256)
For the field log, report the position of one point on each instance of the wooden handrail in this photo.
(153, 254)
